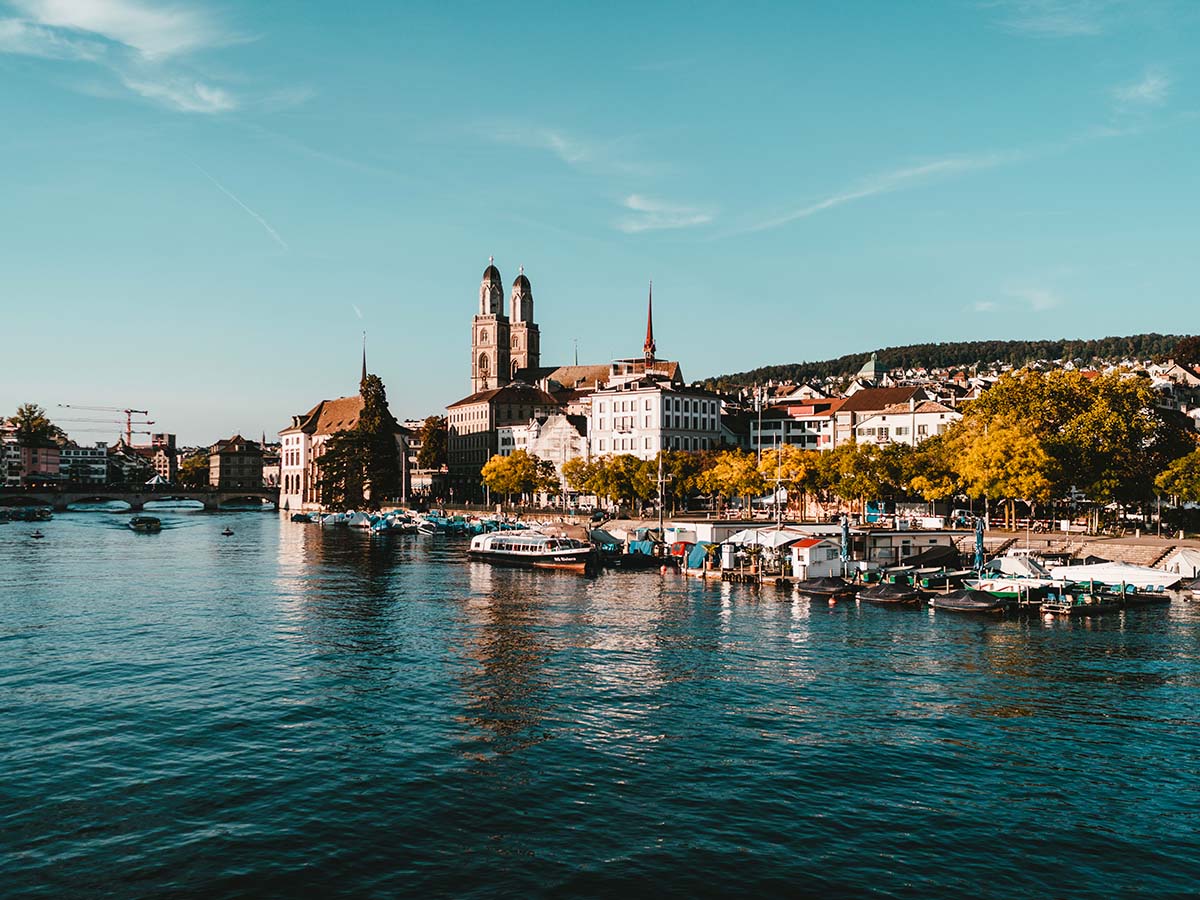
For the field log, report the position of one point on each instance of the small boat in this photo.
(534, 551)
(890, 595)
(968, 600)
(825, 587)
(1077, 602)
(145, 524)
(301, 517)
(37, 535)
(227, 532)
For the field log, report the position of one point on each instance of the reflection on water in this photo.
(304, 711)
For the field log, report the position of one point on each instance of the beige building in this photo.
(235, 463)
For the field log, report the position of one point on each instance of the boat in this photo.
(301, 517)
(145, 524)
(890, 595)
(37, 535)
(1077, 600)
(227, 532)
(827, 586)
(534, 551)
(1141, 578)
(968, 600)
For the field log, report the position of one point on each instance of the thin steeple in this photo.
(649, 348)
(364, 366)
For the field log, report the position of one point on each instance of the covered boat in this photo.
(531, 550)
(827, 586)
(1122, 575)
(890, 595)
(967, 600)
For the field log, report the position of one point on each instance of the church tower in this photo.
(490, 367)
(526, 339)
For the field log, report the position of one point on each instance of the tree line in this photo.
(1034, 437)
(965, 354)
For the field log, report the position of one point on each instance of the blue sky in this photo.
(205, 204)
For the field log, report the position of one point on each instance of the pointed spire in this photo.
(649, 346)
(364, 367)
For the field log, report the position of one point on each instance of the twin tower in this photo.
(502, 346)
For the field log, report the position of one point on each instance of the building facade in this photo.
(83, 465)
(906, 423)
(235, 463)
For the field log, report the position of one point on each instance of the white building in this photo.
(906, 423)
(83, 465)
(645, 415)
(808, 425)
(10, 457)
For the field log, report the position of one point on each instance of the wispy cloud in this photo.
(614, 155)
(1150, 90)
(651, 215)
(886, 183)
(140, 47)
(261, 221)
(985, 306)
(357, 311)
(1058, 18)
(154, 31)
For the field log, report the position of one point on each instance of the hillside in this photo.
(960, 354)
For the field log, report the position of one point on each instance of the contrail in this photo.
(261, 221)
(357, 311)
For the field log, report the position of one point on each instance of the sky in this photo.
(204, 205)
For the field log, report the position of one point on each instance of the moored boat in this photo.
(827, 586)
(1077, 601)
(145, 524)
(890, 595)
(531, 550)
(968, 600)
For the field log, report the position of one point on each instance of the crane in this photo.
(128, 413)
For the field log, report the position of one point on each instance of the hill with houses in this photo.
(970, 355)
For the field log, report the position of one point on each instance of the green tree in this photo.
(930, 471)
(33, 428)
(1181, 479)
(579, 474)
(342, 469)
(433, 439)
(193, 471)
(377, 429)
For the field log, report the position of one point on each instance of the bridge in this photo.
(137, 496)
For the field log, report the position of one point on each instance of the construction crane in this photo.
(128, 413)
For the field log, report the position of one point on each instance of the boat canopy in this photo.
(766, 537)
(1017, 566)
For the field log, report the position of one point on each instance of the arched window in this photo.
(515, 366)
(484, 365)
(483, 336)
(516, 342)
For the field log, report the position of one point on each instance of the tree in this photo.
(1181, 479)
(342, 470)
(433, 439)
(33, 428)
(930, 470)
(377, 429)
(193, 471)
(1187, 351)
(1008, 462)
(579, 474)
(734, 473)
(797, 470)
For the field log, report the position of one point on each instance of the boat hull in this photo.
(564, 561)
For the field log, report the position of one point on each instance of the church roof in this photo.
(332, 416)
(510, 393)
(491, 273)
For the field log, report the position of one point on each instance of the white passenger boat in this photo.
(531, 550)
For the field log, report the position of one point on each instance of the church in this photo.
(511, 389)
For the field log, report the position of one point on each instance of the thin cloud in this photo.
(1038, 299)
(261, 221)
(886, 183)
(614, 155)
(29, 39)
(137, 47)
(653, 215)
(357, 311)
(986, 306)
(1150, 90)
(155, 32)
(1058, 18)
(183, 95)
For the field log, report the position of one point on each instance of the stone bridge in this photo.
(136, 496)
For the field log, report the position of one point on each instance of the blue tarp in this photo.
(698, 555)
(646, 547)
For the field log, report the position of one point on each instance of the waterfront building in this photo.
(10, 457)
(128, 465)
(866, 403)
(303, 441)
(40, 463)
(164, 457)
(270, 463)
(807, 424)
(235, 463)
(83, 465)
(906, 423)
(473, 429)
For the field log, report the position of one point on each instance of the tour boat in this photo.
(968, 601)
(1077, 601)
(534, 551)
(145, 524)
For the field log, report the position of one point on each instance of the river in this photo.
(291, 711)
